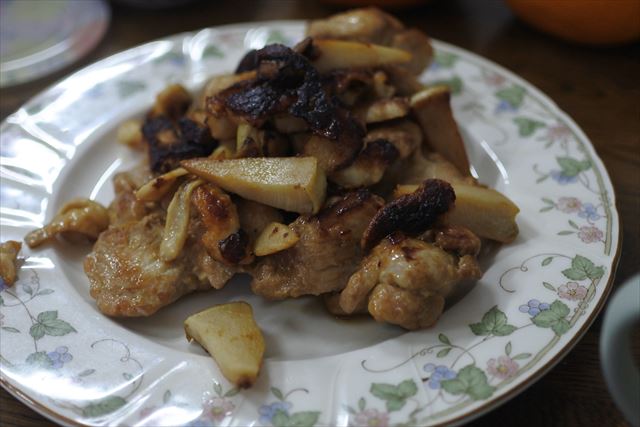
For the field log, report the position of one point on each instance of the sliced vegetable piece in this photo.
(231, 336)
(486, 212)
(274, 238)
(432, 108)
(155, 189)
(295, 184)
(81, 216)
(337, 54)
(177, 225)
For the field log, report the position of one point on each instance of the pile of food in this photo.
(325, 169)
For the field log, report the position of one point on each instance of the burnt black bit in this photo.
(248, 62)
(193, 140)
(412, 213)
(380, 150)
(234, 247)
(287, 82)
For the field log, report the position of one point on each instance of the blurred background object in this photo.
(385, 4)
(597, 22)
(40, 37)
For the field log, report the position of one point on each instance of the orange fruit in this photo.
(583, 21)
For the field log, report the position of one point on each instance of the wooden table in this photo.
(598, 87)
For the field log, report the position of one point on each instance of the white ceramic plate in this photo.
(537, 297)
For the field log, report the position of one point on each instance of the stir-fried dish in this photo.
(324, 169)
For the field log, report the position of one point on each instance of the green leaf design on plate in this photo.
(126, 88)
(549, 286)
(304, 419)
(277, 393)
(212, 51)
(554, 318)
(166, 397)
(565, 233)
(547, 261)
(494, 322)
(445, 59)
(276, 36)
(514, 95)
(583, 268)
(455, 84)
(443, 352)
(232, 392)
(280, 419)
(362, 403)
(527, 127)
(49, 324)
(444, 339)
(39, 360)
(45, 292)
(10, 329)
(395, 395)
(572, 167)
(471, 381)
(521, 356)
(507, 349)
(36, 331)
(103, 407)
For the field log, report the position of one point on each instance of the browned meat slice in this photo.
(128, 278)
(125, 206)
(287, 82)
(411, 213)
(372, 25)
(406, 281)
(9, 261)
(326, 255)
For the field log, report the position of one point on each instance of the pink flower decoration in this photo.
(569, 204)
(494, 79)
(590, 234)
(559, 131)
(504, 367)
(217, 408)
(371, 418)
(572, 291)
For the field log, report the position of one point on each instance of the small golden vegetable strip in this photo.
(338, 54)
(83, 216)
(295, 184)
(486, 212)
(274, 238)
(155, 189)
(177, 226)
(432, 108)
(8, 257)
(130, 134)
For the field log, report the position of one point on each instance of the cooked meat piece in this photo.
(287, 82)
(416, 42)
(366, 25)
(405, 82)
(456, 239)
(172, 102)
(326, 254)
(223, 238)
(126, 206)
(78, 216)
(128, 278)
(411, 213)
(254, 216)
(170, 142)
(406, 281)
(332, 304)
(371, 25)
(368, 168)
(405, 135)
(9, 261)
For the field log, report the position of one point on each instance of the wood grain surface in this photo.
(598, 87)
